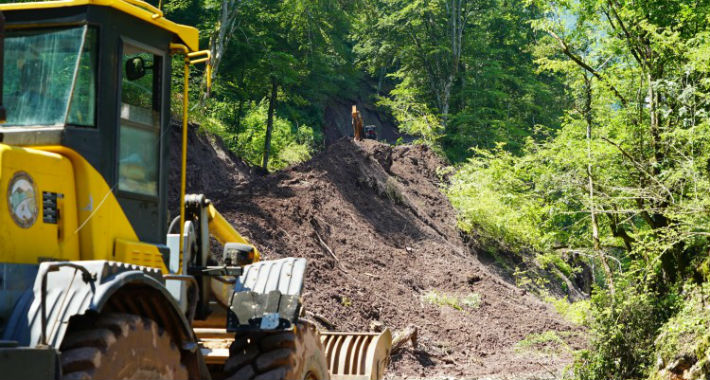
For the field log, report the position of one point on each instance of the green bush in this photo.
(493, 198)
(686, 335)
(548, 342)
(290, 144)
(575, 312)
(623, 329)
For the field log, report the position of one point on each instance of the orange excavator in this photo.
(360, 132)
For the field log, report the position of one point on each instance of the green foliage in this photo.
(471, 301)
(300, 45)
(686, 335)
(623, 329)
(462, 73)
(290, 144)
(549, 260)
(576, 312)
(413, 118)
(492, 193)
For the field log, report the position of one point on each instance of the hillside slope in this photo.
(382, 246)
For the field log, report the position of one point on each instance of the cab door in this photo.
(139, 139)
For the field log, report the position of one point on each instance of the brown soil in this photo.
(393, 238)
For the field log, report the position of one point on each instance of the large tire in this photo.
(121, 346)
(291, 355)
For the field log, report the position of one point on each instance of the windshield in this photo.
(50, 77)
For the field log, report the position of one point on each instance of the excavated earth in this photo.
(379, 236)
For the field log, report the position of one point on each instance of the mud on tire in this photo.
(292, 355)
(121, 346)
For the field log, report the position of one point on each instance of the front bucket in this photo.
(357, 356)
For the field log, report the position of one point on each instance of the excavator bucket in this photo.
(357, 356)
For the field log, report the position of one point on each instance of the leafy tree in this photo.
(624, 182)
(466, 64)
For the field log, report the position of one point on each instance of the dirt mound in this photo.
(211, 168)
(383, 246)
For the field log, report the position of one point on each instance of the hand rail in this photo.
(157, 13)
(191, 58)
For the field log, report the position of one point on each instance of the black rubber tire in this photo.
(292, 355)
(121, 346)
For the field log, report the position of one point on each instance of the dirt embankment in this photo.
(382, 246)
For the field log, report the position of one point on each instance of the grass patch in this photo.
(575, 312)
(471, 301)
(548, 342)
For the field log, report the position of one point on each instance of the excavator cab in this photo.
(92, 266)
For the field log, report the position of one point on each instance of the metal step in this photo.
(214, 344)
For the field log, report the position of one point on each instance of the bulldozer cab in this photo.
(94, 76)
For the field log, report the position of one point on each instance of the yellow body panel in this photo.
(50, 172)
(138, 253)
(136, 8)
(92, 225)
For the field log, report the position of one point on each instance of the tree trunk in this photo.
(590, 179)
(653, 113)
(270, 122)
(238, 122)
(381, 80)
(458, 18)
(220, 40)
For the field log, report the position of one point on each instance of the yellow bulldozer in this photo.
(96, 280)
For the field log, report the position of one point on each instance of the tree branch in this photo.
(640, 168)
(566, 50)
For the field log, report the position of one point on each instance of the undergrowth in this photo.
(290, 143)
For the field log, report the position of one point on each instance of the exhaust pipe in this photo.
(357, 356)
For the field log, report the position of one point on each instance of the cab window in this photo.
(50, 76)
(139, 140)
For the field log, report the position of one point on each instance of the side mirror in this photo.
(135, 68)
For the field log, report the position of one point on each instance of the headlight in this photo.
(22, 200)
